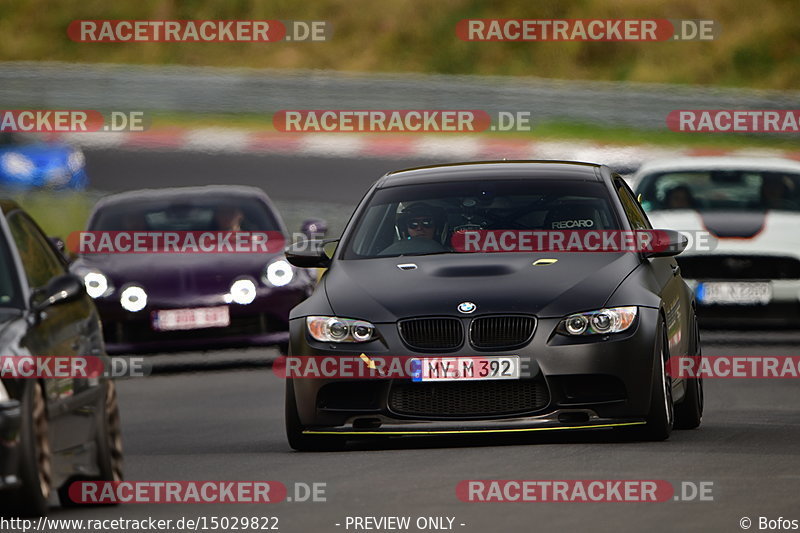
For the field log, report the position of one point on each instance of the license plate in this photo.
(203, 317)
(466, 368)
(734, 293)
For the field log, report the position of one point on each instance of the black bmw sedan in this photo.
(501, 336)
(55, 425)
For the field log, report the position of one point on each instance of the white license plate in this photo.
(203, 317)
(734, 293)
(477, 368)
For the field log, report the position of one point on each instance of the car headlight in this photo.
(133, 298)
(243, 291)
(97, 284)
(17, 164)
(600, 322)
(76, 161)
(333, 329)
(278, 273)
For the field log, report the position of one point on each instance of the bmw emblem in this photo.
(467, 307)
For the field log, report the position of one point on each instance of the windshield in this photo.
(733, 190)
(186, 214)
(421, 219)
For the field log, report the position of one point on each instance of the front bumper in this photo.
(264, 322)
(596, 383)
(10, 419)
(783, 308)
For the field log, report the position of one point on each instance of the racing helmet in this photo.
(421, 209)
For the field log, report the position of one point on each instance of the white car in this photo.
(748, 211)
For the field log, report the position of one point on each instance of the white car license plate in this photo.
(203, 317)
(735, 293)
(477, 368)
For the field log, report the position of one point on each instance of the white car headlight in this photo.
(333, 329)
(600, 322)
(243, 291)
(76, 161)
(17, 164)
(133, 298)
(97, 284)
(278, 273)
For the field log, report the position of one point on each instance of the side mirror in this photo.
(61, 246)
(314, 228)
(58, 243)
(667, 243)
(311, 254)
(60, 289)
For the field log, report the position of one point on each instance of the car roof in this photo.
(479, 171)
(177, 193)
(774, 164)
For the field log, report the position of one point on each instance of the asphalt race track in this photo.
(225, 422)
(285, 177)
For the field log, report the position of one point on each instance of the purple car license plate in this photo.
(203, 317)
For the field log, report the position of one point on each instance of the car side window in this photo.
(632, 208)
(40, 261)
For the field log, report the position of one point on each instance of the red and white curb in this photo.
(408, 146)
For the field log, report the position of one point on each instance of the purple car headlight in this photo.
(243, 291)
(278, 273)
(133, 298)
(96, 283)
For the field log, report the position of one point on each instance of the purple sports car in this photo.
(166, 299)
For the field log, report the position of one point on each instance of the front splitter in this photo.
(469, 431)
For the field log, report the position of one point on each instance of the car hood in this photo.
(379, 291)
(173, 274)
(767, 232)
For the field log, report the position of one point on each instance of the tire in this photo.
(108, 445)
(661, 416)
(110, 457)
(689, 413)
(294, 430)
(35, 458)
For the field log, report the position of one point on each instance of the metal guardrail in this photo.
(203, 89)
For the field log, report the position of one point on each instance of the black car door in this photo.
(59, 330)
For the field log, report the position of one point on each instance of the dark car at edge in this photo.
(53, 430)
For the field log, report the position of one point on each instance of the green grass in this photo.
(59, 213)
(757, 45)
